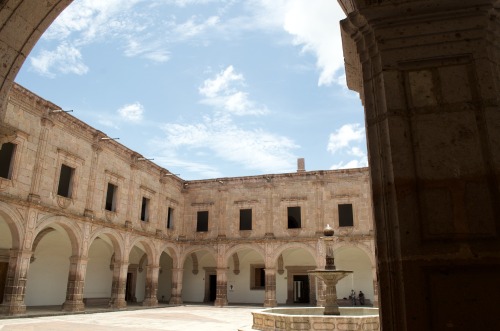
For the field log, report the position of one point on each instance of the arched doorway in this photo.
(48, 273)
(246, 276)
(165, 278)
(200, 277)
(136, 275)
(5, 246)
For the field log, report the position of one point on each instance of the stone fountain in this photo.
(331, 317)
(330, 276)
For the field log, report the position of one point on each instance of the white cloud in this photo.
(191, 29)
(351, 164)
(223, 93)
(131, 112)
(344, 136)
(314, 25)
(65, 59)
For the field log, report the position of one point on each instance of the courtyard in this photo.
(185, 317)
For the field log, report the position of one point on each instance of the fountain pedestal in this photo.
(330, 278)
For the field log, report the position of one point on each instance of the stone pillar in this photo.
(150, 297)
(96, 150)
(119, 285)
(76, 282)
(270, 295)
(15, 285)
(46, 126)
(427, 72)
(176, 297)
(221, 294)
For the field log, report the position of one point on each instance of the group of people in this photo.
(361, 298)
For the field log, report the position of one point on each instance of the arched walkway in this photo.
(200, 276)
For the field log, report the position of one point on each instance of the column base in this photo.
(13, 310)
(270, 303)
(150, 302)
(118, 304)
(220, 302)
(175, 301)
(73, 306)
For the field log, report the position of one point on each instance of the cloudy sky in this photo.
(208, 88)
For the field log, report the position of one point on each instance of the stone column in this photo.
(270, 295)
(96, 150)
(150, 297)
(221, 294)
(119, 285)
(176, 297)
(15, 285)
(427, 73)
(76, 282)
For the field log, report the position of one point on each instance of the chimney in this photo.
(301, 165)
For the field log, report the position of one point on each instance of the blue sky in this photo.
(208, 88)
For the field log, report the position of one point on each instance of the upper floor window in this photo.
(65, 186)
(294, 219)
(202, 221)
(7, 160)
(111, 197)
(170, 218)
(345, 215)
(245, 219)
(145, 209)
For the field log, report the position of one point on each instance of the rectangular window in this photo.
(257, 277)
(202, 221)
(345, 215)
(245, 219)
(170, 218)
(7, 160)
(294, 219)
(145, 209)
(111, 197)
(65, 181)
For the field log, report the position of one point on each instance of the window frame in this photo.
(200, 227)
(244, 219)
(340, 207)
(65, 188)
(299, 221)
(11, 160)
(262, 277)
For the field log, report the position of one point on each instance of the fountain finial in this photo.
(328, 231)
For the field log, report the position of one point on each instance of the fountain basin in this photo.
(312, 318)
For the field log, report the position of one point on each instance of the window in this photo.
(65, 181)
(257, 277)
(170, 218)
(202, 221)
(145, 209)
(111, 197)
(294, 219)
(7, 160)
(245, 219)
(345, 215)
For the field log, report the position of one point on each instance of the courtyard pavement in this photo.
(173, 318)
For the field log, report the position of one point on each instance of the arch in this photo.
(173, 252)
(15, 223)
(148, 249)
(116, 240)
(239, 247)
(284, 247)
(194, 249)
(71, 229)
(356, 244)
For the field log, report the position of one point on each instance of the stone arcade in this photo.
(427, 73)
(86, 221)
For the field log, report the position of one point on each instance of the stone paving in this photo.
(186, 317)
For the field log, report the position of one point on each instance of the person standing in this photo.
(361, 298)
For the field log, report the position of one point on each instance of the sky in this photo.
(206, 88)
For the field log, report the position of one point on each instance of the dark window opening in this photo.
(65, 181)
(202, 221)
(145, 209)
(111, 197)
(294, 220)
(260, 277)
(7, 160)
(345, 215)
(170, 218)
(245, 219)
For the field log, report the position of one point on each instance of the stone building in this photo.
(427, 73)
(84, 221)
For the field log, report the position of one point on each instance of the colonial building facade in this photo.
(85, 220)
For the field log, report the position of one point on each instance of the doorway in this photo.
(301, 289)
(212, 288)
(128, 287)
(3, 278)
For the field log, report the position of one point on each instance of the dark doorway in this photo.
(128, 287)
(212, 287)
(3, 277)
(301, 289)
